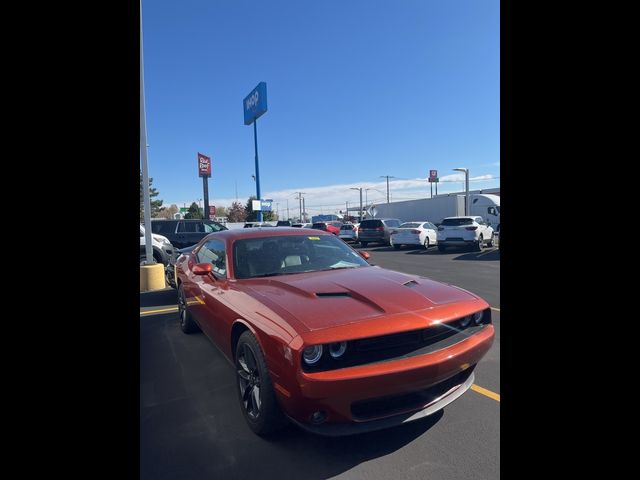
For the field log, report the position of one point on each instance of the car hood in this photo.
(327, 299)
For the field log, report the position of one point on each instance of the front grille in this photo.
(370, 409)
(399, 345)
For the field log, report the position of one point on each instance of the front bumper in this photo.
(342, 429)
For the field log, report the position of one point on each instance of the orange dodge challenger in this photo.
(321, 338)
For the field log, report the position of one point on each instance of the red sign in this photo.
(433, 174)
(212, 211)
(204, 165)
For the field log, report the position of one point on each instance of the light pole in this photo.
(467, 207)
(387, 177)
(359, 213)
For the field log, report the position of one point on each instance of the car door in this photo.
(212, 310)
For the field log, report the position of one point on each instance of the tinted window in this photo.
(210, 227)
(392, 223)
(213, 252)
(318, 226)
(346, 227)
(370, 224)
(456, 222)
(163, 227)
(410, 225)
(187, 227)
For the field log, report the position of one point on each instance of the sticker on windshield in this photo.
(313, 238)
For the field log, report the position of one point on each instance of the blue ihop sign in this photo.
(266, 205)
(255, 104)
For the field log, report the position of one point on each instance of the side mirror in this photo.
(202, 269)
(365, 255)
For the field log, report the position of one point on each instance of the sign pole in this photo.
(205, 190)
(431, 185)
(148, 248)
(255, 143)
(436, 189)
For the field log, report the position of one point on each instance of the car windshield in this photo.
(281, 255)
(410, 225)
(456, 222)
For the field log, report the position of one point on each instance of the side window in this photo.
(163, 227)
(213, 252)
(188, 227)
(210, 227)
(492, 211)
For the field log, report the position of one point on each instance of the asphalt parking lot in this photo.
(191, 425)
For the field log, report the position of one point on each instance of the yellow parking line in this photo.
(485, 392)
(496, 309)
(162, 310)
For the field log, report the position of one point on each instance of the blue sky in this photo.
(356, 89)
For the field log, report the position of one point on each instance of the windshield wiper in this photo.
(272, 274)
(336, 268)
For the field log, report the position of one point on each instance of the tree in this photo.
(221, 211)
(236, 213)
(169, 212)
(194, 211)
(156, 205)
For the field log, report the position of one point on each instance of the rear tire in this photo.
(426, 243)
(187, 323)
(441, 248)
(261, 410)
(397, 247)
(364, 244)
(479, 244)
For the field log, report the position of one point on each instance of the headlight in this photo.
(312, 354)
(336, 350)
(477, 318)
(465, 321)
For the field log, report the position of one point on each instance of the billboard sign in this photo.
(255, 104)
(261, 205)
(212, 211)
(204, 165)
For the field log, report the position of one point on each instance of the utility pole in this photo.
(148, 248)
(387, 177)
(300, 204)
(288, 217)
(360, 212)
(304, 211)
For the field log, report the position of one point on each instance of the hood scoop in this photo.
(333, 294)
(411, 284)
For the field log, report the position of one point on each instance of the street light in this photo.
(360, 190)
(467, 207)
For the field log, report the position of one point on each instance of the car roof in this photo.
(240, 233)
(472, 217)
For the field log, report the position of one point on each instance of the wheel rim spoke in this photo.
(249, 358)
(256, 397)
(243, 374)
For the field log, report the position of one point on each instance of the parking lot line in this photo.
(162, 310)
(496, 309)
(485, 392)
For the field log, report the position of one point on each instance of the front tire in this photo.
(397, 247)
(364, 244)
(187, 323)
(256, 395)
(441, 248)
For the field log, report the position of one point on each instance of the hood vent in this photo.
(334, 294)
(410, 283)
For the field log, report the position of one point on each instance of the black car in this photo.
(186, 232)
(283, 223)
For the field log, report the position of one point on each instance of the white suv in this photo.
(464, 231)
(162, 248)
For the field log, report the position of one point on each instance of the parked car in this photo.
(162, 248)
(414, 233)
(283, 223)
(302, 225)
(349, 231)
(185, 232)
(257, 224)
(331, 227)
(377, 230)
(321, 338)
(464, 231)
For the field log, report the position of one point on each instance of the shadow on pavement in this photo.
(158, 298)
(485, 255)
